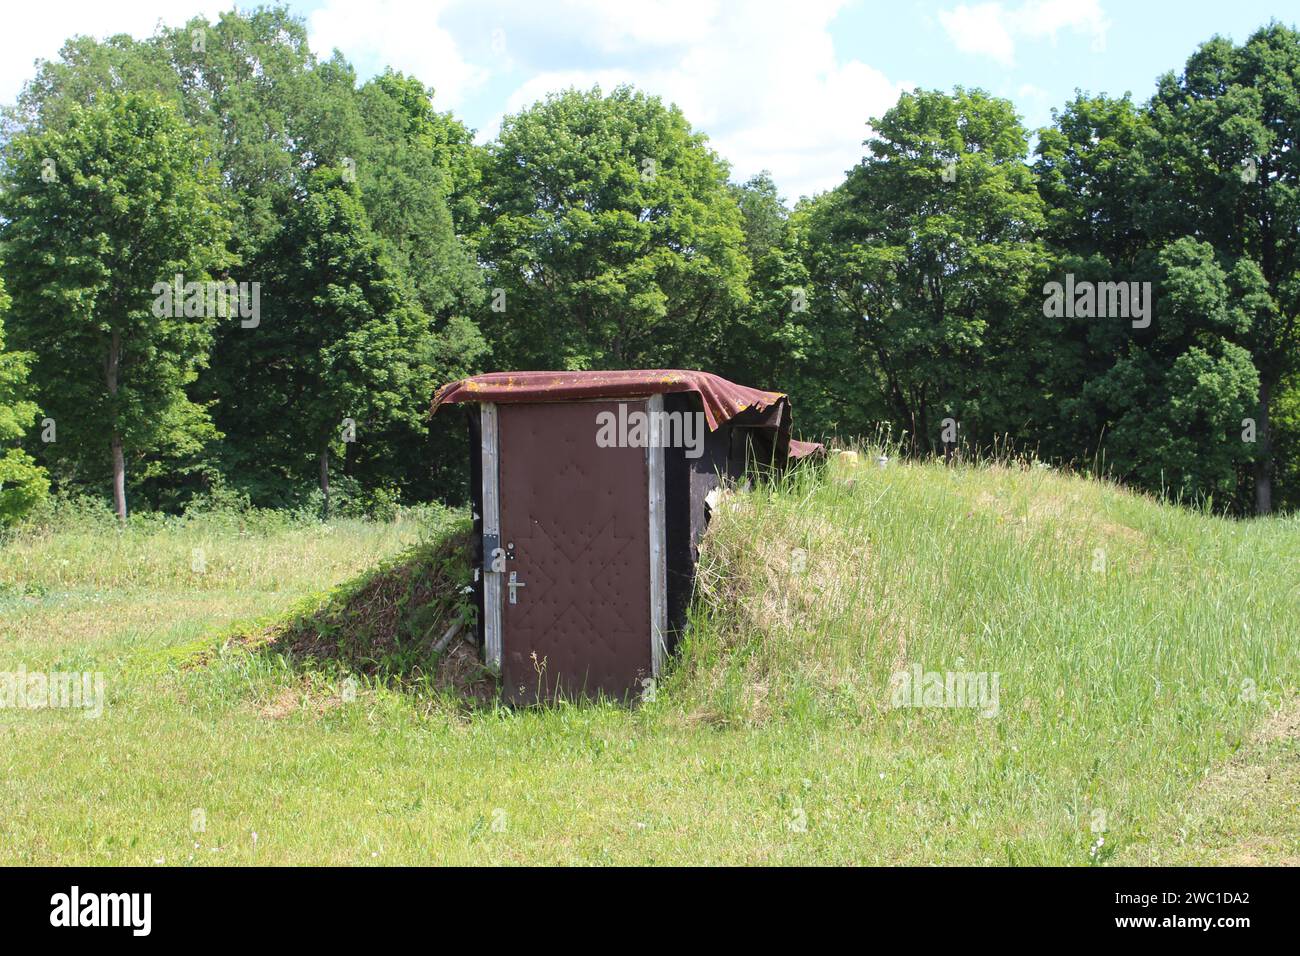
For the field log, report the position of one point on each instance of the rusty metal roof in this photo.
(722, 400)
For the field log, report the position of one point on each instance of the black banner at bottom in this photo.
(1220, 907)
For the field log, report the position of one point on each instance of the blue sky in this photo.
(784, 86)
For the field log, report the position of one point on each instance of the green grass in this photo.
(1131, 684)
(1244, 813)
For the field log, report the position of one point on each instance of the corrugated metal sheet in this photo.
(722, 400)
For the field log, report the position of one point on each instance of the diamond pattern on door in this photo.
(577, 516)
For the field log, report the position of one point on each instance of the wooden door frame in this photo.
(489, 429)
(491, 532)
(658, 535)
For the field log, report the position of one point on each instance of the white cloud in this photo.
(980, 29)
(1031, 96)
(405, 34)
(762, 79)
(1046, 18)
(624, 26)
(38, 30)
(992, 29)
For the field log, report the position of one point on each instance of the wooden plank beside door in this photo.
(658, 535)
(491, 526)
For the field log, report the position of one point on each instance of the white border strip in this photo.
(491, 525)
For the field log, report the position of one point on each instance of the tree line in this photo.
(228, 266)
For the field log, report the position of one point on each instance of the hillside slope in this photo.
(1123, 657)
(1134, 644)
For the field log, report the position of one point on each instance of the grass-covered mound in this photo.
(1089, 600)
(1134, 644)
(1142, 650)
(409, 620)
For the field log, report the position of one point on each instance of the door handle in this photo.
(513, 584)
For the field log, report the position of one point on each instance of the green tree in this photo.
(1225, 166)
(22, 482)
(408, 170)
(764, 216)
(611, 234)
(85, 71)
(419, 173)
(1286, 422)
(921, 258)
(97, 214)
(771, 342)
(1092, 176)
(1090, 171)
(344, 349)
(1161, 406)
(275, 112)
(1174, 404)
(280, 114)
(250, 85)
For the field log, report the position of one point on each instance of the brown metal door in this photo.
(575, 527)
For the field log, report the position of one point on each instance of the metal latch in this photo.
(514, 583)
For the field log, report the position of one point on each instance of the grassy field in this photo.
(1145, 659)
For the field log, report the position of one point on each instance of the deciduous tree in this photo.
(1225, 159)
(97, 214)
(611, 235)
(22, 482)
(922, 256)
